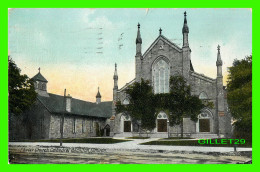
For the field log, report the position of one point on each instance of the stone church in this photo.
(160, 61)
(43, 121)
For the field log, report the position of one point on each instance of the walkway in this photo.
(135, 144)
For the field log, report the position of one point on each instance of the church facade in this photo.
(160, 61)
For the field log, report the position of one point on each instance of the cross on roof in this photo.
(160, 30)
(39, 69)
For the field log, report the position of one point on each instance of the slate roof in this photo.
(54, 103)
(39, 77)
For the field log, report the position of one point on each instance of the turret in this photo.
(185, 31)
(115, 84)
(98, 97)
(138, 56)
(115, 89)
(220, 95)
(219, 63)
(186, 49)
(40, 84)
(138, 41)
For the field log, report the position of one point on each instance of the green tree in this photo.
(182, 103)
(179, 103)
(20, 89)
(239, 96)
(141, 104)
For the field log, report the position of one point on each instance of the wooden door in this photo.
(127, 126)
(204, 125)
(162, 125)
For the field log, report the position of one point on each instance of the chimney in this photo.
(68, 103)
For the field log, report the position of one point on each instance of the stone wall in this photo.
(34, 124)
(84, 126)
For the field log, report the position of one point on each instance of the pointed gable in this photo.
(164, 39)
(39, 77)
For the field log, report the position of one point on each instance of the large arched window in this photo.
(161, 73)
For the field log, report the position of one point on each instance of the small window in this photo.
(42, 125)
(83, 126)
(35, 84)
(43, 86)
(91, 126)
(74, 125)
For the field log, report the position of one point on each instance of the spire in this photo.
(115, 78)
(98, 94)
(98, 97)
(160, 31)
(219, 61)
(185, 28)
(115, 73)
(138, 38)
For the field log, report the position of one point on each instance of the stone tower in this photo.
(185, 49)
(138, 55)
(98, 97)
(40, 84)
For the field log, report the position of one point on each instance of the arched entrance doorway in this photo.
(107, 130)
(162, 122)
(205, 122)
(126, 123)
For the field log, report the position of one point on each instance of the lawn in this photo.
(195, 143)
(85, 140)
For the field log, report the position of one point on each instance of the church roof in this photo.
(39, 77)
(54, 103)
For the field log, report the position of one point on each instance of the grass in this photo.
(195, 143)
(137, 137)
(85, 140)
